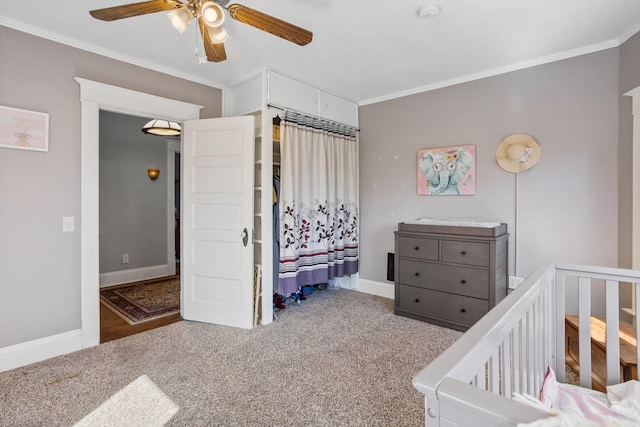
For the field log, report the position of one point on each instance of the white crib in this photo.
(508, 350)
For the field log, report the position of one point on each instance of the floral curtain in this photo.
(318, 202)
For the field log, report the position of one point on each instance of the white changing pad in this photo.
(454, 223)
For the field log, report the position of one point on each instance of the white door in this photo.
(217, 221)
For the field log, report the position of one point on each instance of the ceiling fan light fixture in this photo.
(217, 34)
(212, 13)
(180, 18)
(162, 127)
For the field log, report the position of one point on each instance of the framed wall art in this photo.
(23, 129)
(447, 170)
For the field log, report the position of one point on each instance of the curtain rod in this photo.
(312, 116)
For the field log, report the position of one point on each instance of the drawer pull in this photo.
(463, 253)
(417, 274)
(417, 299)
(463, 310)
(417, 248)
(463, 281)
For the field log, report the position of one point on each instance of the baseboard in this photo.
(134, 275)
(381, 289)
(34, 351)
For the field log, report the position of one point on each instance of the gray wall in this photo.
(39, 264)
(567, 204)
(629, 79)
(133, 208)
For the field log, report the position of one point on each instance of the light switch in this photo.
(68, 224)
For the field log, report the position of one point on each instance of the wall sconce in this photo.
(153, 173)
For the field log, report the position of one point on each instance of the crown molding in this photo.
(88, 47)
(497, 71)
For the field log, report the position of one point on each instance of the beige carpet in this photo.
(341, 358)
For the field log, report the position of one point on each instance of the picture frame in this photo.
(445, 171)
(24, 129)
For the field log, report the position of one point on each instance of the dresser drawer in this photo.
(469, 253)
(415, 247)
(441, 305)
(453, 279)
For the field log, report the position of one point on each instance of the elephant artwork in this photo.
(448, 170)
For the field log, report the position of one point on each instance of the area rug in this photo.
(143, 301)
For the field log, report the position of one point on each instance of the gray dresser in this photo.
(449, 275)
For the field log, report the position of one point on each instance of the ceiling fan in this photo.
(210, 16)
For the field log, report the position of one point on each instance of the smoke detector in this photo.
(429, 12)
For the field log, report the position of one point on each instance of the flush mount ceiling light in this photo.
(162, 127)
(429, 12)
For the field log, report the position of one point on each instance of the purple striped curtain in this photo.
(318, 202)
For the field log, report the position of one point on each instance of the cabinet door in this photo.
(288, 93)
(339, 109)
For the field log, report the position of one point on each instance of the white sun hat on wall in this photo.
(518, 153)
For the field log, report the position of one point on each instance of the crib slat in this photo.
(515, 359)
(541, 340)
(537, 339)
(584, 341)
(559, 327)
(612, 335)
(494, 381)
(636, 305)
(530, 356)
(505, 363)
(547, 314)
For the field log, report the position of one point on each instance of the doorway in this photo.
(139, 289)
(93, 97)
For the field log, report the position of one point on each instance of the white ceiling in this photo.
(363, 50)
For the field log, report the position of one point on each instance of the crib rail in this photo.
(612, 278)
(508, 350)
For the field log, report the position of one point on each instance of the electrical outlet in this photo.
(125, 258)
(68, 224)
(514, 281)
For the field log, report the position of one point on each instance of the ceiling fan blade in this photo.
(270, 24)
(134, 9)
(215, 51)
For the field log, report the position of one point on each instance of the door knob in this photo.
(245, 237)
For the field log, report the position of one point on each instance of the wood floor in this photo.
(113, 327)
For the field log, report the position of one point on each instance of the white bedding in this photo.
(576, 406)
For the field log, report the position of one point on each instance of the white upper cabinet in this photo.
(288, 93)
(291, 94)
(338, 109)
